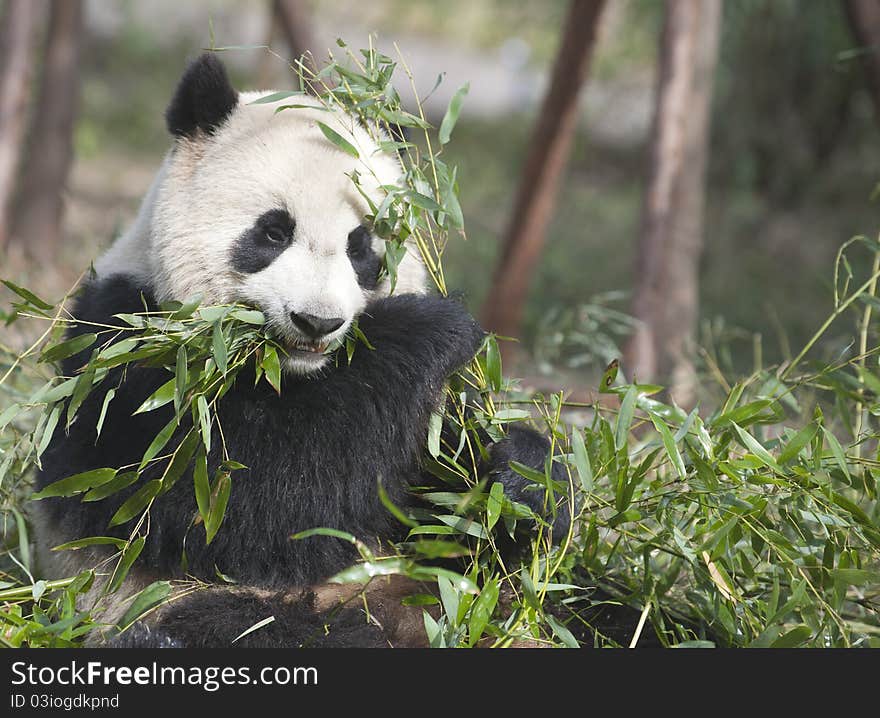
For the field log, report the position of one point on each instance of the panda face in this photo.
(310, 285)
(257, 206)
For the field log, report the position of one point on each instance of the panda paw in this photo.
(530, 448)
(436, 332)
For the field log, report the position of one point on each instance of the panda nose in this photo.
(315, 327)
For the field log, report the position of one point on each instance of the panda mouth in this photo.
(301, 348)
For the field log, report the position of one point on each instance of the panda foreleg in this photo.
(526, 446)
(320, 616)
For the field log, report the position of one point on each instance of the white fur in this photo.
(211, 189)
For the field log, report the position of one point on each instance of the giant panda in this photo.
(256, 206)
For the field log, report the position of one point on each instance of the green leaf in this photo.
(753, 445)
(423, 202)
(249, 316)
(581, 460)
(111, 487)
(364, 571)
(528, 589)
(432, 629)
(162, 396)
(438, 549)
(272, 366)
(68, 348)
(202, 485)
(213, 314)
(80, 391)
(420, 599)
(217, 510)
(275, 97)
(607, 381)
(339, 140)
(334, 533)
(561, 632)
(76, 484)
(136, 503)
(151, 596)
(795, 637)
(49, 430)
(452, 113)
(180, 461)
(108, 397)
(625, 417)
(493, 363)
(669, 444)
(129, 556)
(28, 296)
(204, 420)
(394, 254)
(435, 427)
(218, 348)
(9, 414)
(797, 443)
(482, 610)
(180, 377)
(463, 525)
(494, 504)
(158, 443)
(837, 451)
(448, 597)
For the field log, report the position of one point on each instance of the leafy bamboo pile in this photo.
(756, 523)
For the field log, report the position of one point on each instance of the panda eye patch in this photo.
(359, 241)
(365, 262)
(271, 234)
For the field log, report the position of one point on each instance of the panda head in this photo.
(256, 205)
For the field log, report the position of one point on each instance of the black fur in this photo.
(314, 454)
(365, 261)
(204, 98)
(526, 446)
(192, 622)
(257, 248)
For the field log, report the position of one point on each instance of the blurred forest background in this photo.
(791, 149)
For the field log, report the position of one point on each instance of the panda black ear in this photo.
(203, 98)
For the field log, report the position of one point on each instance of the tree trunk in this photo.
(268, 63)
(293, 18)
(16, 44)
(864, 19)
(666, 282)
(539, 183)
(38, 214)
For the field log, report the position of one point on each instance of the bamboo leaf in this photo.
(129, 556)
(68, 348)
(162, 396)
(151, 596)
(217, 510)
(338, 140)
(76, 484)
(136, 503)
(452, 113)
(482, 610)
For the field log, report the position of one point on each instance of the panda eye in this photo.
(358, 242)
(275, 235)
